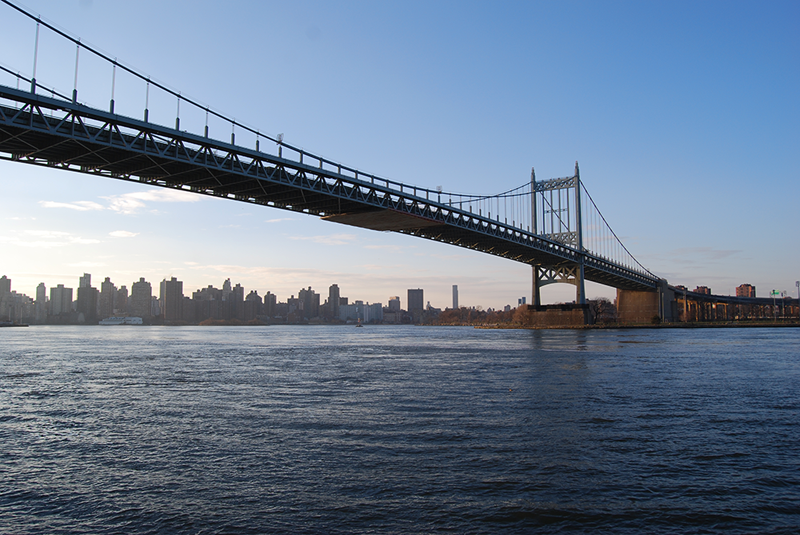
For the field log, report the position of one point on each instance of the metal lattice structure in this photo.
(540, 224)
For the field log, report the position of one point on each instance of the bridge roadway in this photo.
(58, 133)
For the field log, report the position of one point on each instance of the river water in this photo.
(388, 429)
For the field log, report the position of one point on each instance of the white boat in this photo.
(121, 320)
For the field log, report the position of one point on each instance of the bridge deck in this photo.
(40, 130)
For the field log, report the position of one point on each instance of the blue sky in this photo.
(683, 116)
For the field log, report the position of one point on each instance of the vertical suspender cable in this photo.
(75, 85)
(35, 58)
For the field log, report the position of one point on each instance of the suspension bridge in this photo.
(552, 225)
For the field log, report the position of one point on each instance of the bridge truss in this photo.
(542, 224)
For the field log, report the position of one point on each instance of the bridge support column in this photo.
(537, 292)
(645, 307)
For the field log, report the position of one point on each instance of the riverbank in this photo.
(693, 325)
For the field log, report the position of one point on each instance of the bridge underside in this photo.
(69, 136)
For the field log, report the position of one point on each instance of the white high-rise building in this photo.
(455, 297)
(41, 303)
(60, 300)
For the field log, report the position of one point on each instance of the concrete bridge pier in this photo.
(645, 306)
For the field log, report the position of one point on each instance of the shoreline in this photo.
(619, 326)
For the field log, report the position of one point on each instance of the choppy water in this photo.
(398, 430)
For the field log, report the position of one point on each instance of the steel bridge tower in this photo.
(557, 217)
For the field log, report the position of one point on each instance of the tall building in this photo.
(745, 290)
(171, 299)
(141, 295)
(416, 300)
(85, 281)
(310, 303)
(5, 298)
(703, 290)
(252, 305)
(121, 301)
(270, 303)
(333, 300)
(41, 303)
(107, 293)
(60, 300)
(394, 303)
(416, 303)
(236, 299)
(455, 297)
(226, 289)
(87, 303)
(209, 304)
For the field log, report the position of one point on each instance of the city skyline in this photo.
(168, 303)
(672, 122)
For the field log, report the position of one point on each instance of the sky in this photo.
(682, 115)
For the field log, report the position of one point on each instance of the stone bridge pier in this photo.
(645, 306)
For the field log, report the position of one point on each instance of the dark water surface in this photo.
(398, 430)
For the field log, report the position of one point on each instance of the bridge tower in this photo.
(556, 215)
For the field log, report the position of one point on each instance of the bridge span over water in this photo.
(552, 225)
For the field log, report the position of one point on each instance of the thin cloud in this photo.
(80, 206)
(130, 203)
(55, 234)
(127, 203)
(279, 220)
(46, 239)
(123, 234)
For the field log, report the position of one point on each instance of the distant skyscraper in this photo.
(236, 298)
(252, 305)
(455, 297)
(85, 281)
(270, 302)
(333, 300)
(60, 300)
(87, 302)
(310, 302)
(171, 299)
(141, 295)
(121, 300)
(107, 294)
(226, 289)
(41, 303)
(394, 303)
(416, 303)
(5, 298)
